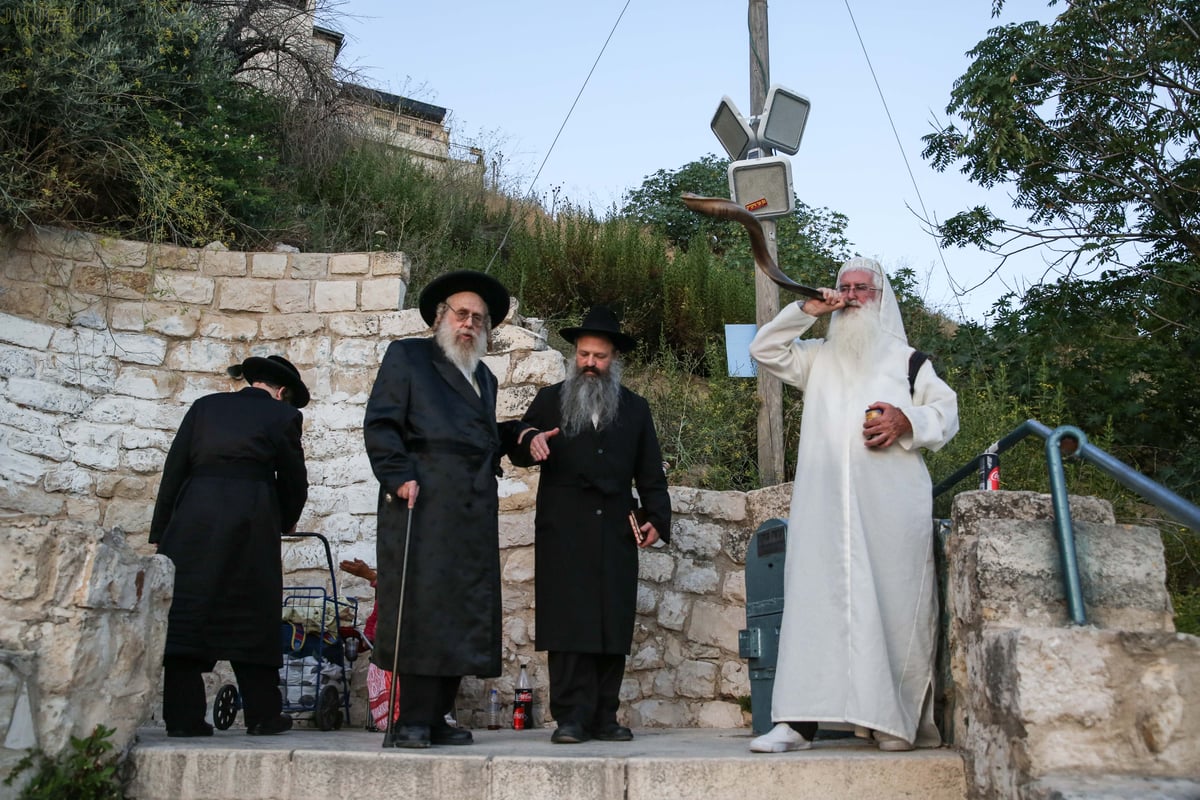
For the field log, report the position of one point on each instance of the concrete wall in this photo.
(1040, 704)
(105, 343)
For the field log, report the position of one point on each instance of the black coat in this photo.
(233, 481)
(424, 422)
(585, 556)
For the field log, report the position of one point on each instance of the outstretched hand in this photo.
(539, 448)
(358, 568)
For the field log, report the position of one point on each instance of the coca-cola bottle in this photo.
(523, 701)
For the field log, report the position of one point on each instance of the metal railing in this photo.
(1068, 441)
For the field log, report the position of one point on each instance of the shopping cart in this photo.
(318, 652)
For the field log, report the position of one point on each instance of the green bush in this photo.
(86, 770)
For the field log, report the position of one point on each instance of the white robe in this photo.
(857, 641)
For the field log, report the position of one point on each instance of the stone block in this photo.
(734, 588)
(695, 579)
(402, 324)
(169, 256)
(293, 297)
(354, 353)
(391, 264)
(24, 332)
(223, 263)
(191, 289)
(46, 396)
(695, 538)
(290, 326)
(17, 362)
(201, 355)
(329, 296)
(225, 327)
(655, 567)
(720, 714)
(349, 264)
(516, 530)
(510, 338)
(268, 265)
(673, 611)
(310, 266)
(716, 624)
(518, 565)
(772, 502)
(245, 294)
(25, 300)
(354, 325)
(540, 367)
(512, 402)
(127, 284)
(146, 384)
(121, 253)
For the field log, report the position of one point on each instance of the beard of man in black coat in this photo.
(598, 442)
(233, 481)
(435, 446)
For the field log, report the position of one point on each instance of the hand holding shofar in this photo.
(727, 209)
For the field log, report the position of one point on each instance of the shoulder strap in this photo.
(914, 366)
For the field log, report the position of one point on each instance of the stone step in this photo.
(659, 764)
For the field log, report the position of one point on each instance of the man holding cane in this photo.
(435, 446)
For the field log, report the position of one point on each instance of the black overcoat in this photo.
(233, 481)
(585, 556)
(424, 422)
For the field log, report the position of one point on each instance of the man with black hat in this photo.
(435, 446)
(233, 481)
(596, 441)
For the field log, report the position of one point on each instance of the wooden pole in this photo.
(766, 293)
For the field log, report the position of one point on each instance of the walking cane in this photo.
(387, 742)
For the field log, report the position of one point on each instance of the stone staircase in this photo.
(660, 764)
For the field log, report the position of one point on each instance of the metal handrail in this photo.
(1056, 449)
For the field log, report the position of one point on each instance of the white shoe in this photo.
(779, 739)
(892, 744)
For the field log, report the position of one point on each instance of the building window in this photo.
(425, 133)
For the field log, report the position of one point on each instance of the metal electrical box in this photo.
(759, 642)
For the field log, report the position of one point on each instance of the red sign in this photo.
(757, 204)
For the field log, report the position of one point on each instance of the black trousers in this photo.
(585, 688)
(184, 705)
(425, 699)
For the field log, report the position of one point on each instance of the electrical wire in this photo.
(561, 127)
(957, 288)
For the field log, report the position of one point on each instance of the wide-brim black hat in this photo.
(276, 370)
(600, 321)
(494, 295)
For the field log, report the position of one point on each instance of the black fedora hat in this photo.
(494, 295)
(600, 321)
(276, 370)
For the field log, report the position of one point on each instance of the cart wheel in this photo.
(225, 706)
(329, 711)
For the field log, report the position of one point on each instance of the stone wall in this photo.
(1041, 705)
(105, 343)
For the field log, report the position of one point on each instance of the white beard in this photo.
(855, 334)
(464, 355)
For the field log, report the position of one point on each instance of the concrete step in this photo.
(659, 764)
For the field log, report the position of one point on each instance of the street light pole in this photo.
(766, 293)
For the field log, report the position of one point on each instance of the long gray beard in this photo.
(585, 397)
(465, 356)
(854, 335)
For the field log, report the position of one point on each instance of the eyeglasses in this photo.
(462, 315)
(856, 288)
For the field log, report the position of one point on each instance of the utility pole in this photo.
(766, 293)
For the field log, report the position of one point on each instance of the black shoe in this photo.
(612, 732)
(443, 733)
(407, 736)
(201, 728)
(280, 724)
(569, 733)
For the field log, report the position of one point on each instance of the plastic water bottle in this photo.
(523, 702)
(493, 710)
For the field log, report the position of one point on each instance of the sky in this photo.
(509, 73)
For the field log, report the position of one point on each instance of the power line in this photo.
(896, 134)
(567, 118)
